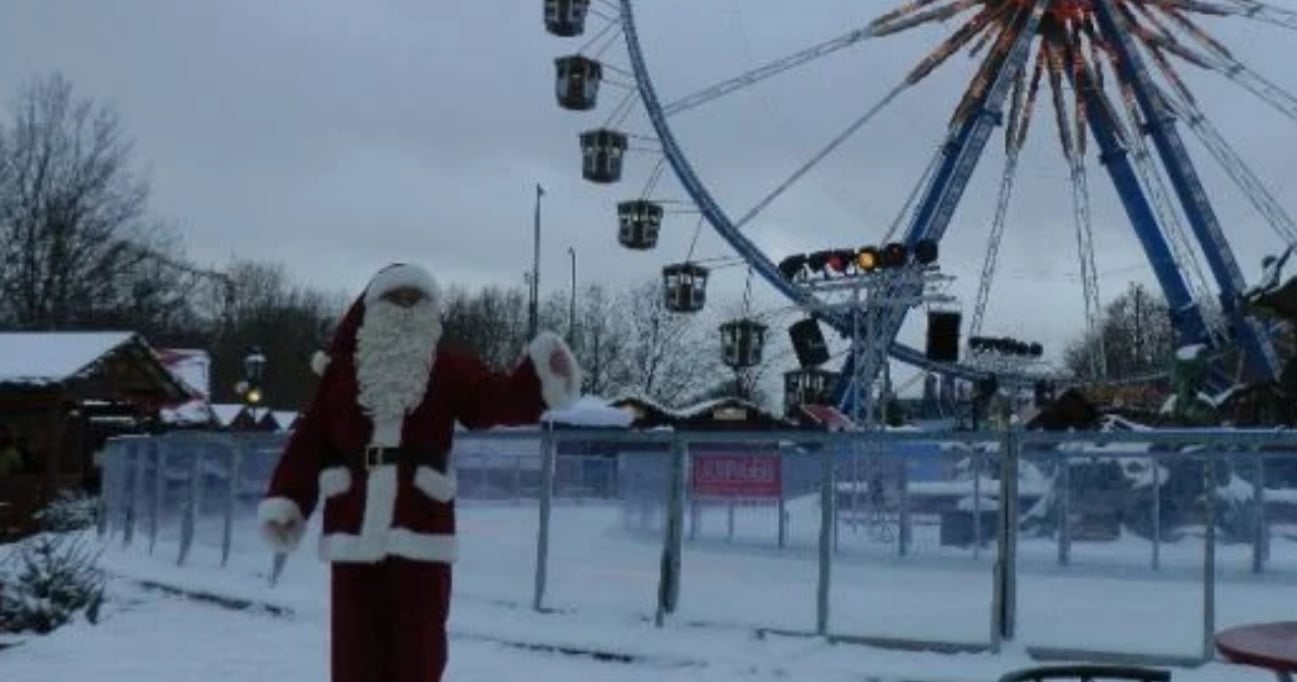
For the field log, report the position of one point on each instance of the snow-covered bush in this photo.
(51, 577)
(69, 511)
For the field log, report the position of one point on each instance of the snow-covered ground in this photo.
(602, 590)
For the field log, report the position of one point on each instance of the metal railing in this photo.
(151, 481)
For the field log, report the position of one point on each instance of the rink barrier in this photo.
(134, 466)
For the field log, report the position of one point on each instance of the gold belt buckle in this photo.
(373, 455)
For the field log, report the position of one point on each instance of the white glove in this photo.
(281, 523)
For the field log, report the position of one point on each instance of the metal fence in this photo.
(910, 495)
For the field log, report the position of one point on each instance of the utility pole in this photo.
(571, 303)
(533, 313)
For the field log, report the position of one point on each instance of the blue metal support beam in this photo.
(1186, 316)
(1262, 361)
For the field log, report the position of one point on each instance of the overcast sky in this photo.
(338, 136)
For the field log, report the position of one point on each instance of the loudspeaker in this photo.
(943, 336)
(808, 342)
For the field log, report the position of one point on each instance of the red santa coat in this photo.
(404, 510)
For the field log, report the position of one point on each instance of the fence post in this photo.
(517, 479)
(783, 513)
(234, 473)
(547, 457)
(108, 483)
(855, 492)
(132, 489)
(160, 452)
(191, 504)
(1004, 600)
(610, 466)
(903, 536)
(1261, 544)
(1157, 514)
(1209, 562)
(669, 579)
(827, 527)
(975, 463)
(1064, 509)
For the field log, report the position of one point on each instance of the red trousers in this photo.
(389, 621)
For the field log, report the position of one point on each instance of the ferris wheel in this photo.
(1109, 71)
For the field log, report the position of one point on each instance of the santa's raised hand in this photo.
(562, 364)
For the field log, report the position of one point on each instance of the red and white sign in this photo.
(734, 476)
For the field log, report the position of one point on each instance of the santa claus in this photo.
(374, 444)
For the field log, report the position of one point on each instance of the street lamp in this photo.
(254, 369)
(571, 304)
(533, 311)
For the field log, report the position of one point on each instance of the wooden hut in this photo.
(61, 395)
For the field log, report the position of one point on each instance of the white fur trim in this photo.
(320, 362)
(280, 510)
(558, 392)
(400, 542)
(335, 481)
(440, 487)
(380, 502)
(399, 276)
(377, 537)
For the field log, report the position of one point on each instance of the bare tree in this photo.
(1138, 337)
(70, 207)
(670, 360)
(600, 338)
(286, 321)
(491, 323)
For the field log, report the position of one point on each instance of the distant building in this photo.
(193, 369)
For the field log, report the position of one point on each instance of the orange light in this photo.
(867, 259)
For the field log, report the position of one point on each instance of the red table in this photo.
(1272, 646)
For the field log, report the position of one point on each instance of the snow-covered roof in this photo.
(1189, 352)
(591, 411)
(226, 413)
(284, 418)
(52, 357)
(690, 411)
(190, 366)
(190, 413)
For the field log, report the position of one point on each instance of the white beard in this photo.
(394, 357)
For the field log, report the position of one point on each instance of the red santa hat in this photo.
(393, 277)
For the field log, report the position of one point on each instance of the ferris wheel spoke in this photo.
(820, 155)
(768, 70)
(1247, 181)
(1221, 60)
(599, 35)
(1067, 118)
(1185, 104)
(1266, 12)
(993, 243)
(1089, 274)
(887, 25)
(913, 198)
(1024, 102)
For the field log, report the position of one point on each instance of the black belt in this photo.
(374, 456)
